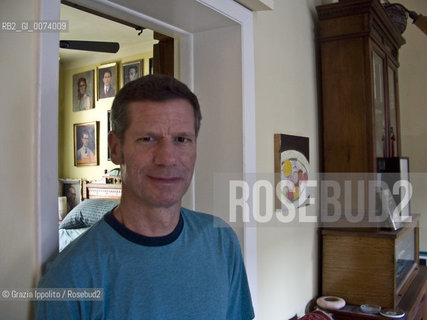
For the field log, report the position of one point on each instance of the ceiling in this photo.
(86, 26)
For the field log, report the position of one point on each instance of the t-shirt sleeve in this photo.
(240, 302)
(52, 310)
(47, 309)
(56, 287)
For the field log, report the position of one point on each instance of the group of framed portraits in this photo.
(104, 82)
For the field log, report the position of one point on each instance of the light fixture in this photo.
(399, 15)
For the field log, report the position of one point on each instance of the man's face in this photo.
(132, 74)
(71, 195)
(158, 152)
(107, 79)
(85, 139)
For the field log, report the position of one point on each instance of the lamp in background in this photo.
(399, 15)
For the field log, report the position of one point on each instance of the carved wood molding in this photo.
(370, 11)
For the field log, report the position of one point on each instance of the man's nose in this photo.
(165, 154)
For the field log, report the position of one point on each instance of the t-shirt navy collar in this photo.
(144, 240)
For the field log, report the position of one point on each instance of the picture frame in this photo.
(86, 144)
(292, 169)
(107, 80)
(83, 91)
(132, 70)
(72, 190)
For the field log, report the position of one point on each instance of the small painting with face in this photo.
(107, 76)
(71, 189)
(71, 194)
(85, 144)
(131, 71)
(83, 91)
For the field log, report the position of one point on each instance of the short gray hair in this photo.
(153, 87)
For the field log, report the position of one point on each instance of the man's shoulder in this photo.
(205, 222)
(78, 255)
(204, 218)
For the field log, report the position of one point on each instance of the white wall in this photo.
(217, 82)
(18, 166)
(413, 112)
(286, 102)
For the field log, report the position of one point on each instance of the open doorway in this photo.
(83, 70)
(215, 47)
(85, 102)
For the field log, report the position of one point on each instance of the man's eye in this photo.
(183, 139)
(146, 139)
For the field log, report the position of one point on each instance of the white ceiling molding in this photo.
(257, 5)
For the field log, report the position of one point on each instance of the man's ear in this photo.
(115, 148)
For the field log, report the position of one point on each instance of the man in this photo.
(107, 90)
(85, 154)
(71, 198)
(153, 258)
(133, 73)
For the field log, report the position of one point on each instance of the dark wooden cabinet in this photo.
(359, 48)
(370, 267)
(359, 61)
(413, 303)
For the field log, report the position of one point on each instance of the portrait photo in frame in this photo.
(83, 91)
(132, 70)
(107, 76)
(72, 190)
(86, 144)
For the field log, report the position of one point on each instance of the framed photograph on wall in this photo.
(72, 190)
(107, 76)
(86, 144)
(83, 91)
(132, 70)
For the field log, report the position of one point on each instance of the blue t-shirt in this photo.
(196, 272)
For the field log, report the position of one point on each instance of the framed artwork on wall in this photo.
(107, 76)
(72, 190)
(132, 70)
(291, 168)
(83, 91)
(86, 144)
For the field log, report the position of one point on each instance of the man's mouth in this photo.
(165, 179)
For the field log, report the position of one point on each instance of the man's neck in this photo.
(147, 221)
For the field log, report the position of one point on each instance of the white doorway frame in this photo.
(47, 121)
